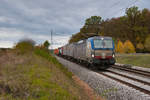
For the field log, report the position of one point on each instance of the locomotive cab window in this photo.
(103, 43)
(108, 44)
(98, 43)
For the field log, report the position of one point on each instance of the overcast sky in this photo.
(36, 18)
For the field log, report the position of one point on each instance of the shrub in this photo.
(120, 47)
(46, 44)
(25, 46)
(129, 47)
(147, 43)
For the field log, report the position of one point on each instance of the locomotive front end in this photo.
(102, 52)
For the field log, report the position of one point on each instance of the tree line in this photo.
(133, 29)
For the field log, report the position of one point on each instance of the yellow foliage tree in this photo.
(129, 47)
(147, 43)
(119, 47)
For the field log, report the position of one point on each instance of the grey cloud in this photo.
(38, 17)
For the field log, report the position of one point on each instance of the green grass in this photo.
(52, 59)
(141, 60)
(36, 76)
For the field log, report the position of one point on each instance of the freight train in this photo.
(95, 51)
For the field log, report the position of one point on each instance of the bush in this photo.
(25, 46)
(46, 44)
(147, 43)
(129, 47)
(120, 47)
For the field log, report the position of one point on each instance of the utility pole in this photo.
(51, 39)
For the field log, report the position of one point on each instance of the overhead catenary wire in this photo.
(116, 12)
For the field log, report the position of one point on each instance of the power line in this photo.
(111, 6)
(116, 3)
(116, 12)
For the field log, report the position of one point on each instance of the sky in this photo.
(37, 19)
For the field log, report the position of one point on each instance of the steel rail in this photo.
(126, 83)
(129, 77)
(132, 70)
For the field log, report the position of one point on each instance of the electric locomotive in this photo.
(95, 50)
(100, 50)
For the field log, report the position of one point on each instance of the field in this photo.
(141, 60)
(36, 76)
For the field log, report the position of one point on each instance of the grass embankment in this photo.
(36, 76)
(142, 60)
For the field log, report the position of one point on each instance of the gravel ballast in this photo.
(105, 87)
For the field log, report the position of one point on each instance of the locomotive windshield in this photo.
(103, 43)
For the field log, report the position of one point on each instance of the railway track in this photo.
(136, 71)
(130, 77)
(129, 80)
(137, 85)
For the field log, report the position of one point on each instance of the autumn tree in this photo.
(129, 47)
(119, 47)
(90, 28)
(46, 44)
(136, 23)
(147, 43)
(93, 20)
(92, 25)
(133, 14)
(140, 47)
(76, 37)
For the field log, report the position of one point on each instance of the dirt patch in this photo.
(89, 91)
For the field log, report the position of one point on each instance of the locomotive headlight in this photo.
(93, 55)
(113, 55)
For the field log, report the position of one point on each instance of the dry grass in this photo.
(32, 77)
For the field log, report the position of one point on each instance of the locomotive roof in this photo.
(100, 37)
(94, 37)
